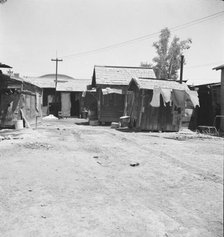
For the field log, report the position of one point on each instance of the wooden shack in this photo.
(18, 100)
(72, 101)
(166, 115)
(221, 67)
(111, 83)
(66, 98)
(210, 105)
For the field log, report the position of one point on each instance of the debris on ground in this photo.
(93, 122)
(134, 164)
(5, 138)
(9, 137)
(37, 145)
(115, 125)
(50, 117)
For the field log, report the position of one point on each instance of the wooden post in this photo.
(125, 103)
(181, 68)
(222, 101)
(98, 103)
(141, 108)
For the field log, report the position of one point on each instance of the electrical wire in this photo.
(145, 37)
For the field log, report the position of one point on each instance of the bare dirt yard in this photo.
(64, 179)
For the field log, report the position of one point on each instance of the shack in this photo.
(65, 98)
(221, 67)
(159, 105)
(111, 83)
(19, 100)
(210, 105)
(72, 100)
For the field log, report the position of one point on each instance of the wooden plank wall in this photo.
(9, 109)
(112, 107)
(151, 118)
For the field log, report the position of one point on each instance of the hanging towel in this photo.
(65, 104)
(109, 90)
(166, 94)
(155, 102)
(193, 96)
(37, 104)
(179, 97)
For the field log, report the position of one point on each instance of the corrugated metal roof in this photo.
(207, 84)
(117, 75)
(150, 84)
(219, 67)
(73, 85)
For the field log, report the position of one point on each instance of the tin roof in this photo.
(150, 84)
(2, 65)
(219, 67)
(118, 75)
(73, 85)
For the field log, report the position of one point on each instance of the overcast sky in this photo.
(33, 30)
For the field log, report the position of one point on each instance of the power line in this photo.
(141, 38)
(202, 65)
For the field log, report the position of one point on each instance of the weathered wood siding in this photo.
(111, 107)
(10, 106)
(152, 118)
(222, 100)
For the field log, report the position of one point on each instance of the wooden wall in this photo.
(209, 98)
(111, 106)
(9, 108)
(11, 104)
(145, 117)
(222, 101)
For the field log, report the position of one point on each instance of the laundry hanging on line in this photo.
(166, 94)
(179, 98)
(108, 90)
(155, 102)
(193, 96)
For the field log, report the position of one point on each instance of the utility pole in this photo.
(181, 68)
(56, 75)
(56, 82)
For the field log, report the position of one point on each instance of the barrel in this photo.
(19, 124)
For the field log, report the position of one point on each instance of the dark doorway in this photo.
(75, 105)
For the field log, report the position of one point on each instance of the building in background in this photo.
(221, 67)
(67, 99)
(210, 106)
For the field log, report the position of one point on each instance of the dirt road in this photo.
(64, 179)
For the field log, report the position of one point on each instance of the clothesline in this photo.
(178, 97)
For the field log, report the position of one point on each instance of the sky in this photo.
(32, 32)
